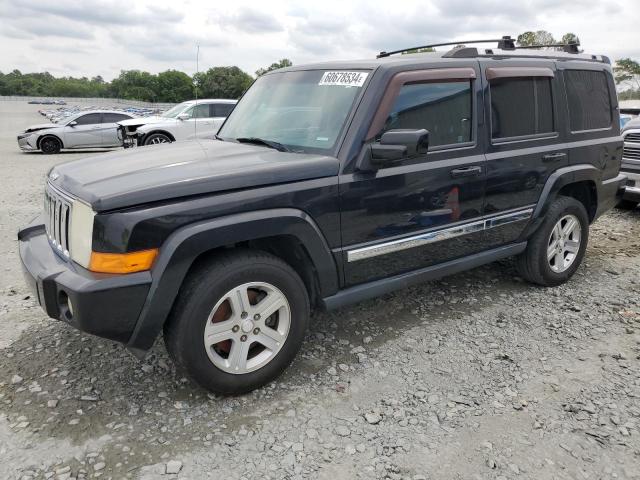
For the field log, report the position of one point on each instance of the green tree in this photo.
(174, 86)
(418, 50)
(222, 82)
(627, 73)
(541, 37)
(285, 62)
(135, 85)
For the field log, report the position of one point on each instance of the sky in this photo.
(103, 37)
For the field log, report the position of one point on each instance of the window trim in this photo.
(100, 116)
(532, 136)
(418, 76)
(612, 107)
(494, 73)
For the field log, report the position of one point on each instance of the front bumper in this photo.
(101, 304)
(27, 143)
(632, 189)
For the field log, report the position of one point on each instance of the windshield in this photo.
(177, 110)
(304, 111)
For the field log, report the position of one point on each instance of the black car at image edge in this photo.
(330, 184)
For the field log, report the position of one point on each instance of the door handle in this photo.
(466, 172)
(550, 157)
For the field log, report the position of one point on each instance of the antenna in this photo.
(195, 120)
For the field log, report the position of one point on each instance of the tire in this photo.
(627, 205)
(204, 307)
(548, 267)
(50, 145)
(157, 138)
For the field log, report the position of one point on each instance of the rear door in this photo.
(110, 128)
(220, 111)
(525, 138)
(85, 133)
(427, 209)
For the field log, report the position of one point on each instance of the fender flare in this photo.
(558, 179)
(179, 251)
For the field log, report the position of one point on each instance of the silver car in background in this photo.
(86, 129)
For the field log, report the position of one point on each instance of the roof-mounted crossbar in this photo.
(504, 43)
(570, 47)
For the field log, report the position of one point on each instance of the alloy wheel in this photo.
(564, 243)
(247, 327)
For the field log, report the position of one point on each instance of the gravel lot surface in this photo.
(477, 376)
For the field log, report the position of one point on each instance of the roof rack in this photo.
(504, 43)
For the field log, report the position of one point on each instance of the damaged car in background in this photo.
(86, 129)
(192, 119)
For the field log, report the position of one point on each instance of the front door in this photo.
(427, 209)
(86, 131)
(201, 121)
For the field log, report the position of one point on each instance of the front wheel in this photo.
(556, 250)
(238, 322)
(157, 138)
(50, 145)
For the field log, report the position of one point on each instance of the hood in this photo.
(161, 172)
(635, 123)
(143, 121)
(42, 126)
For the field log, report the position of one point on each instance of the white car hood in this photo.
(143, 121)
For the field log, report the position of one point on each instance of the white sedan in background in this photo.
(88, 129)
(192, 119)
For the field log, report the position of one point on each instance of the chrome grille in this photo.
(631, 153)
(57, 215)
(632, 137)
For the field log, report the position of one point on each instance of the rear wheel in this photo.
(157, 138)
(49, 145)
(555, 251)
(238, 322)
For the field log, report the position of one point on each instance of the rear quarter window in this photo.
(589, 100)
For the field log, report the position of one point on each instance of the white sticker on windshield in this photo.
(345, 79)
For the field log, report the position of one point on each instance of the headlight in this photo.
(81, 233)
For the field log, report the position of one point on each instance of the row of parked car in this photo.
(89, 127)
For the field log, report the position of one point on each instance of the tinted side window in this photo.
(114, 117)
(222, 109)
(200, 111)
(589, 100)
(521, 106)
(89, 119)
(444, 109)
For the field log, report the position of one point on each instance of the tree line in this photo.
(171, 86)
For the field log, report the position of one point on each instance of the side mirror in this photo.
(183, 116)
(394, 146)
(72, 124)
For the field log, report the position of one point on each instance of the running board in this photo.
(369, 290)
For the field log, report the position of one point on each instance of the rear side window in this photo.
(521, 107)
(222, 109)
(114, 117)
(443, 108)
(200, 111)
(589, 100)
(89, 119)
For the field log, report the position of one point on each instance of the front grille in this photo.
(631, 153)
(57, 215)
(632, 137)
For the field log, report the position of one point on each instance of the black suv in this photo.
(329, 184)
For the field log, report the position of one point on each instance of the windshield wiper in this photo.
(261, 141)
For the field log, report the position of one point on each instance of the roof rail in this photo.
(504, 43)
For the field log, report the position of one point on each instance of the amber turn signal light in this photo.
(122, 262)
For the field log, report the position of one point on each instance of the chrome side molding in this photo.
(434, 236)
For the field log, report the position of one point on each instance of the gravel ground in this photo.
(477, 376)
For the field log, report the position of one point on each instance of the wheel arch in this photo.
(287, 233)
(160, 131)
